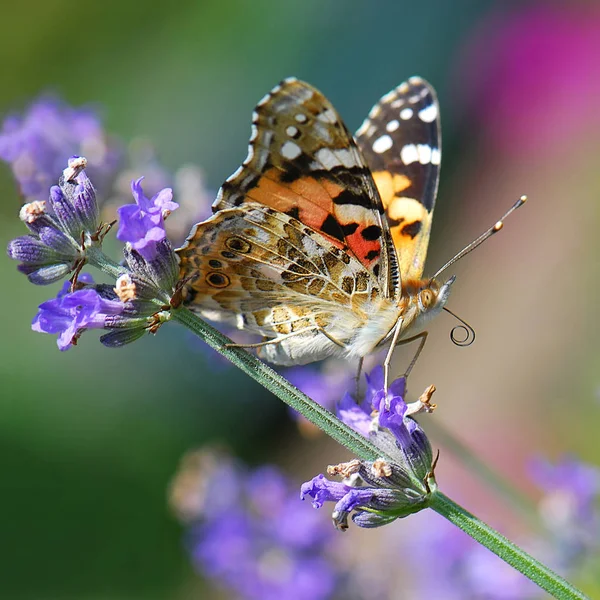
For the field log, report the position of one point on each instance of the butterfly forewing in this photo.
(400, 141)
(303, 162)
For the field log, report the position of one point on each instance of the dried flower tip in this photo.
(381, 468)
(76, 165)
(423, 404)
(125, 288)
(344, 470)
(32, 210)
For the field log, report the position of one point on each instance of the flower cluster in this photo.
(378, 492)
(248, 533)
(66, 234)
(62, 228)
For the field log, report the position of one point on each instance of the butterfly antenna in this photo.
(469, 337)
(484, 236)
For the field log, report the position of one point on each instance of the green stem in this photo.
(363, 448)
(98, 259)
(506, 550)
(282, 388)
(468, 458)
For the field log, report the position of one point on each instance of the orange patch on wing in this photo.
(389, 185)
(367, 251)
(311, 197)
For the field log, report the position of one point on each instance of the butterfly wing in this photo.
(303, 162)
(264, 271)
(400, 140)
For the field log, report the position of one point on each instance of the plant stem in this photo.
(277, 384)
(506, 550)
(96, 257)
(363, 448)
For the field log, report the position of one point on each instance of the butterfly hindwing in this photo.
(400, 140)
(303, 162)
(265, 272)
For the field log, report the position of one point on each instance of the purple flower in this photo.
(378, 492)
(261, 543)
(62, 228)
(71, 313)
(38, 143)
(142, 224)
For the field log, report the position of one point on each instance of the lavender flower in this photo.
(62, 228)
(38, 143)
(142, 224)
(248, 532)
(380, 491)
(147, 290)
(71, 313)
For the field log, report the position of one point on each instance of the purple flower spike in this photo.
(142, 224)
(378, 492)
(70, 313)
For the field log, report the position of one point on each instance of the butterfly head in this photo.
(428, 299)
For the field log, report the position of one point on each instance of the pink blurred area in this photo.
(530, 77)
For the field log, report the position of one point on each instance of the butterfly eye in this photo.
(426, 298)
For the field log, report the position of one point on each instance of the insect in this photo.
(319, 239)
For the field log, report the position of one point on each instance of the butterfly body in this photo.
(318, 241)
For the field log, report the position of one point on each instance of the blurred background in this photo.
(90, 438)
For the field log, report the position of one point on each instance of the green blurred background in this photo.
(90, 438)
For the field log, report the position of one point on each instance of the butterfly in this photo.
(319, 239)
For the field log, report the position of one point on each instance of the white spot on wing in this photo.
(429, 113)
(291, 150)
(236, 173)
(301, 118)
(392, 125)
(363, 128)
(409, 154)
(264, 99)
(291, 130)
(328, 116)
(327, 158)
(406, 113)
(254, 133)
(388, 97)
(382, 144)
(397, 103)
(424, 154)
(375, 111)
(436, 156)
(347, 158)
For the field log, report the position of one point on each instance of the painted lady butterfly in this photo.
(319, 239)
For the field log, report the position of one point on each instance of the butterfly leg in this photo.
(276, 340)
(357, 376)
(388, 357)
(423, 337)
(281, 338)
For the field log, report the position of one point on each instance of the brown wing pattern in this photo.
(303, 162)
(266, 272)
